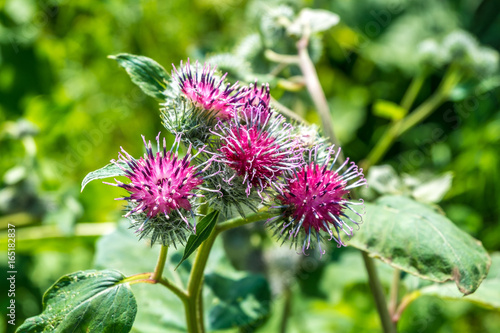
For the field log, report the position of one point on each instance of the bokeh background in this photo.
(65, 109)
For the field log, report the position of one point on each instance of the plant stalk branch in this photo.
(378, 294)
(160, 265)
(314, 87)
(394, 293)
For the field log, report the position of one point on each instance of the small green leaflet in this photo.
(110, 170)
(146, 73)
(203, 230)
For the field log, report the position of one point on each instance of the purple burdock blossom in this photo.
(256, 96)
(207, 91)
(161, 188)
(314, 203)
(259, 148)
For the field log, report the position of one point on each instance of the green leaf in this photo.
(413, 237)
(315, 20)
(239, 302)
(203, 230)
(86, 301)
(146, 73)
(110, 170)
(157, 311)
(487, 295)
(388, 110)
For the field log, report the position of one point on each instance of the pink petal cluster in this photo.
(260, 149)
(159, 183)
(315, 200)
(207, 91)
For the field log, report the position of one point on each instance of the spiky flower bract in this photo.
(207, 91)
(227, 195)
(259, 148)
(315, 201)
(181, 117)
(162, 190)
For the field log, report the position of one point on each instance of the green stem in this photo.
(196, 280)
(450, 80)
(378, 294)
(261, 215)
(394, 293)
(160, 265)
(138, 278)
(176, 290)
(412, 91)
(286, 310)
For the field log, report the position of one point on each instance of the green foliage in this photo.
(110, 170)
(146, 73)
(96, 301)
(417, 239)
(488, 293)
(65, 110)
(240, 303)
(203, 230)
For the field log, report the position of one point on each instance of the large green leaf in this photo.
(415, 238)
(146, 73)
(240, 302)
(86, 301)
(487, 295)
(159, 310)
(203, 230)
(110, 170)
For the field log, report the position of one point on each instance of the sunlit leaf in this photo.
(146, 73)
(415, 238)
(86, 301)
(110, 170)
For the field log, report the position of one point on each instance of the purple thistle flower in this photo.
(255, 96)
(161, 188)
(259, 148)
(315, 201)
(206, 90)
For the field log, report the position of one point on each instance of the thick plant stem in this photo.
(394, 293)
(314, 87)
(193, 301)
(196, 281)
(378, 294)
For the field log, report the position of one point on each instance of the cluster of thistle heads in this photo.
(241, 155)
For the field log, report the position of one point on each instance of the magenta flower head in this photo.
(314, 203)
(259, 148)
(207, 91)
(257, 96)
(162, 187)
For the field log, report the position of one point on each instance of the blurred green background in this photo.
(65, 109)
